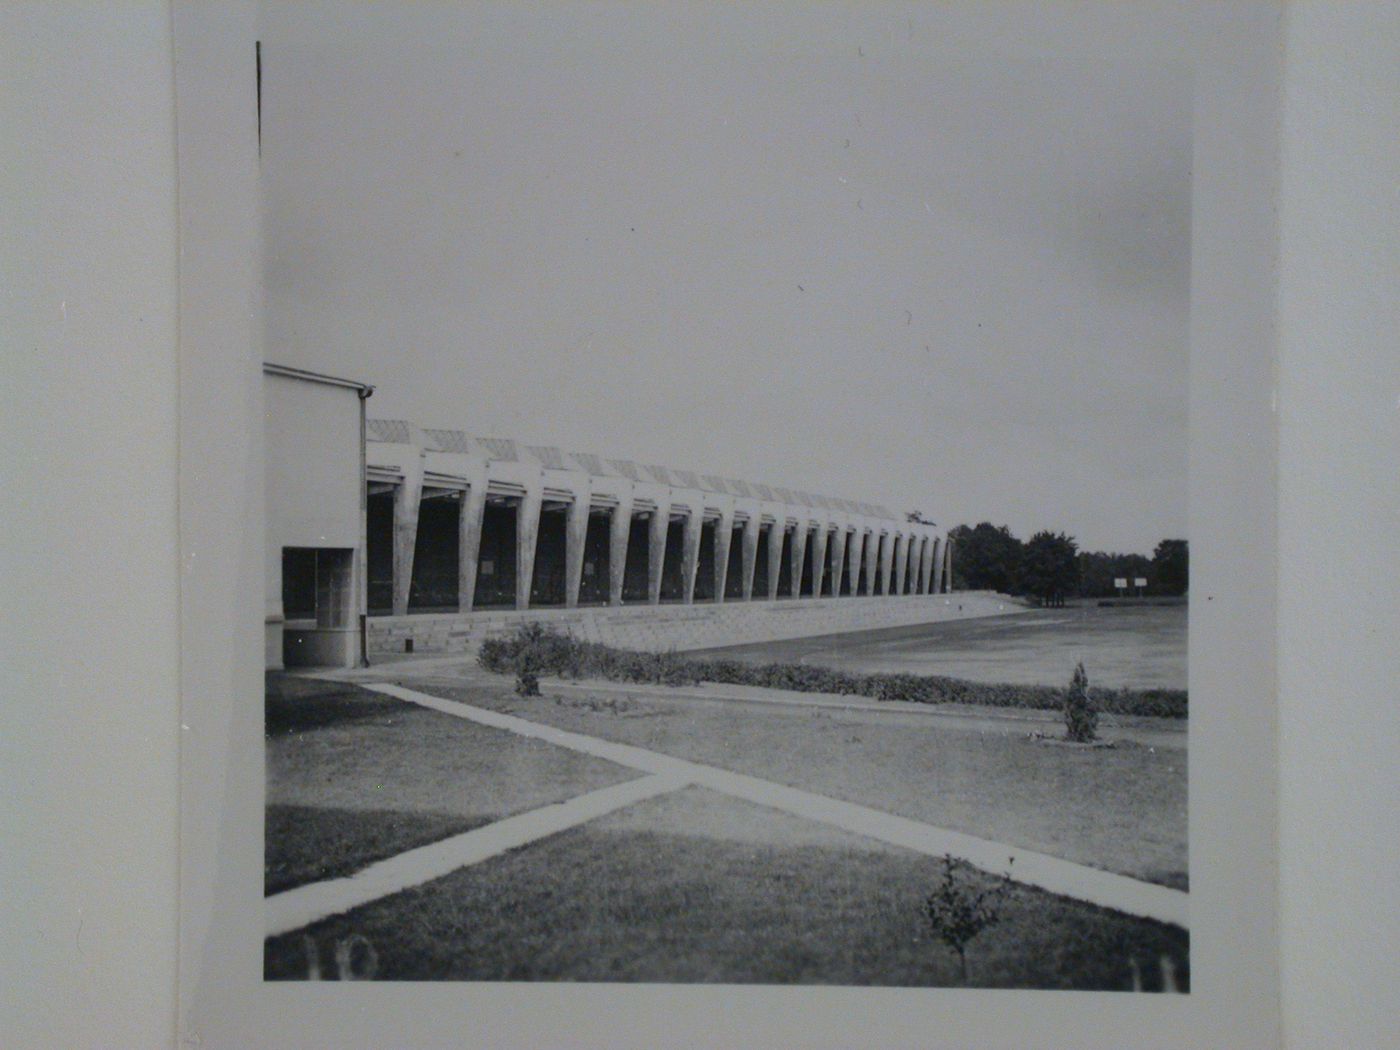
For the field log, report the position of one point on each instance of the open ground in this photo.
(693, 885)
(1142, 647)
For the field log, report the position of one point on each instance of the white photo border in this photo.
(223, 1001)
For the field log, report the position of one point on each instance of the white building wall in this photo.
(313, 491)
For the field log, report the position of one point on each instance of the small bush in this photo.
(531, 656)
(497, 655)
(1081, 717)
(535, 649)
(957, 911)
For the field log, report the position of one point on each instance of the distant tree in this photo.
(1098, 570)
(917, 518)
(1050, 567)
(1136, 567)
(987, 558)
(1171, 567)
(1096, 573)
(1092, 570)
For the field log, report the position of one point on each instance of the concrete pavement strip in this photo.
(299, 907)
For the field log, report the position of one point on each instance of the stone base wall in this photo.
(658, 628)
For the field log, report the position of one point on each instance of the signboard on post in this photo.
(1140, 581)
(1121, 583)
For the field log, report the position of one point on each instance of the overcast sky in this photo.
(934, 256)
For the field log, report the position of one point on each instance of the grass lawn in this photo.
(1121, 809)
(309, 844)
(354, 777)
(695, 887)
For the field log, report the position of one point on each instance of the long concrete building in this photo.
(448, 524)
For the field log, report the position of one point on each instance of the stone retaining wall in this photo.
(658, 628)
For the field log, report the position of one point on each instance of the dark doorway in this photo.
(760, 570)
(318, 605)
(434, 585)
(785, 567)
(734, 578)
(705, 564)
(672, 574)
(597, 560)
(808, 583)
(495, 566)
(379, 552)
(634, 580)
(547, 581)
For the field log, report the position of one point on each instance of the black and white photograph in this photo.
(726, 498)
(630, 525)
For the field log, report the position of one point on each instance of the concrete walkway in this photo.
(1078, 881)
(295, 908)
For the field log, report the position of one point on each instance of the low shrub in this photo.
(567, 657)
(1081, 716)
(537, 646)
(960, 907)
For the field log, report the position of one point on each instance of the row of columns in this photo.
(890, 564)
(874, 554)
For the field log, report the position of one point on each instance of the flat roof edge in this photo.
(269, 368)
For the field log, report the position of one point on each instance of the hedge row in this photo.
(546, 652)
(936, 689)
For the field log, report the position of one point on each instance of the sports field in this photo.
(1142, 647)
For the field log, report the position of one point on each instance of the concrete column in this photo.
(527, 531)
(838, 559)
(619, 530)
(901, 562)
(469, 541)
(750, 552)
(690, 551)
(799, 548)
(887, 561)
(910, 571)
(656, 547)
(407, 498)
(819, 558)
(938, 566)
(921, 567)
(947, 565)
(775, 557)
(724, 536)
(575, 533)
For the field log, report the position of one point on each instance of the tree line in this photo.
(1051, 568)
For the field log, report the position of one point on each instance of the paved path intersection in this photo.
(304, 905)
